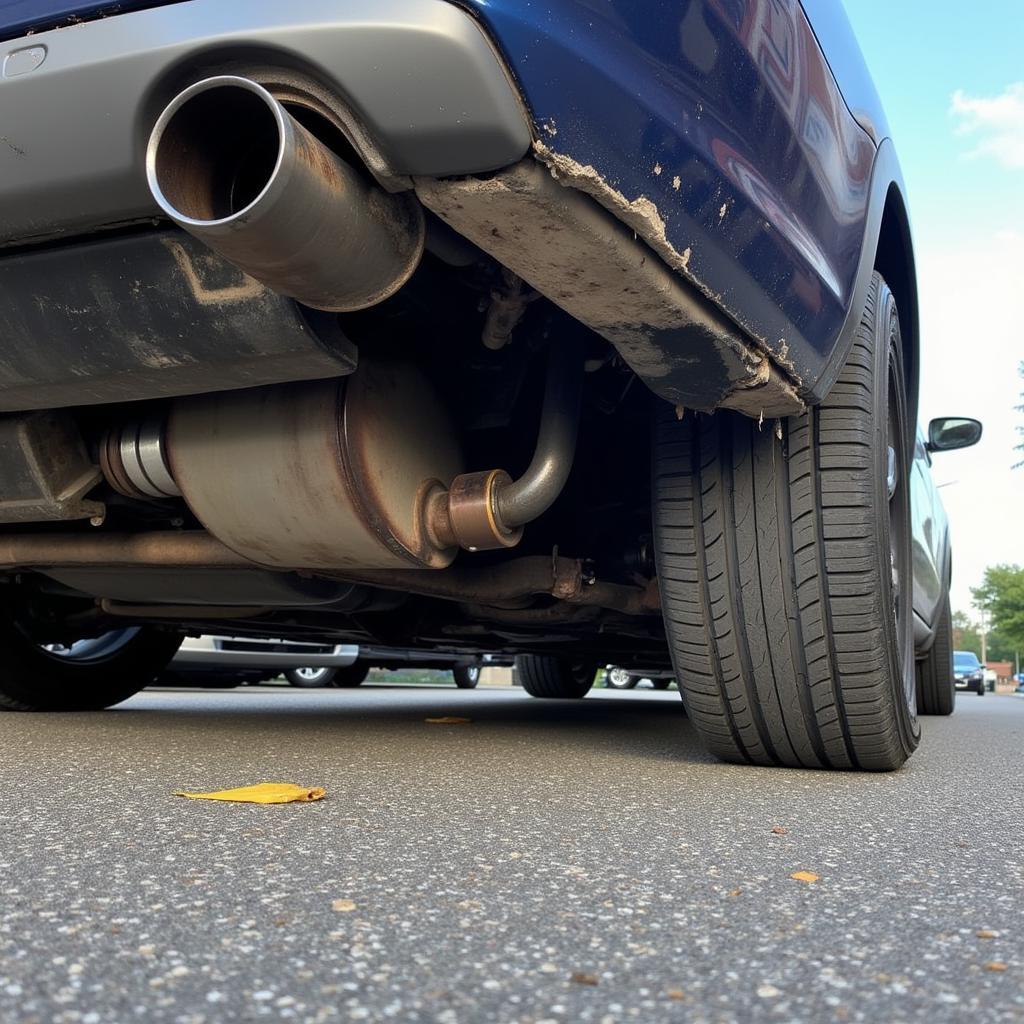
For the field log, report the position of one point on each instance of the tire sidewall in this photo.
(888, 357)
(33, 679)
(466, 676)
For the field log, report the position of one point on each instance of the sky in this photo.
(951, 78)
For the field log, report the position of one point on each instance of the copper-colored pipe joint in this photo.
(466, 515)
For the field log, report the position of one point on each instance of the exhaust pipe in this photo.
(230, 165)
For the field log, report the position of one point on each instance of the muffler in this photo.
(230, 165)
(362, 472)
(324, 475)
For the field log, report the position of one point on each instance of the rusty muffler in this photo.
(231, 166)
(359, 473)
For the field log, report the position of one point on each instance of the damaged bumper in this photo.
(421, 94)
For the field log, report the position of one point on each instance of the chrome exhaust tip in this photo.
(230, 165)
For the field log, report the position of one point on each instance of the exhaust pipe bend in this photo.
(488, 510)
(230, 165)
(527, 498)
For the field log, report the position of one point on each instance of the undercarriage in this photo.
(373, 368)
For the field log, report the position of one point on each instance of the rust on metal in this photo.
(322, 475)
(496, 586)
(189, 549)
(472, 512)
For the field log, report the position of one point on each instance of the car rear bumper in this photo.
(971, 685)
(426, 94)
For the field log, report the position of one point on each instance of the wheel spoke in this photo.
(891, 475)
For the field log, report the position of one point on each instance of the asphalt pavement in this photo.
(547, 861)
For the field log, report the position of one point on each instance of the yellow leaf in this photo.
(995, 965)
(986, 933)
(675, 993)
(804, 876)
(264, 793)
(343, 906)
(448, 720)
(583, 978)
(780, 831)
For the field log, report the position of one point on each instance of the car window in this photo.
(965, 660)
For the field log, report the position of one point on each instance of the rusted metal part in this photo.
(470, 512)
(229, 164)
(181, 611)
(566, 576)
(577, 254)
(509, 582)
(506, 309)
(47, 471)
(134, 461)
(184, 550)
(329, 475)
(494, 586)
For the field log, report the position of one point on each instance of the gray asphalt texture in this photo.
(549, 861)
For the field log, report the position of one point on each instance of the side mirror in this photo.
(950, 432)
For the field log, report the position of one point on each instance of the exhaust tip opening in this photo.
(215, 150)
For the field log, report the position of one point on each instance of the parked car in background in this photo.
(968, 672)
(229, 660)
(405, 320)
(933, 566)
(465, 670)
(617, 678)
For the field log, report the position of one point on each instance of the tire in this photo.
(88, 676)
(936, 691)
(351, 675)
(544, 676)
(466, 676)
(310, 678)
(981, 688)
(619, 679)
(661, 684)
(785, 573)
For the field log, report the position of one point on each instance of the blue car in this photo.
(584, 331)
(968, 672)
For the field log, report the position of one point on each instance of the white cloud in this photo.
(972, 306)
(996, 121)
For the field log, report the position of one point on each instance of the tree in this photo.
(965, 634)
(999, 648)
(1001, 594)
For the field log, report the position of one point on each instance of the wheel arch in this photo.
(886, 246)
(894, 260)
